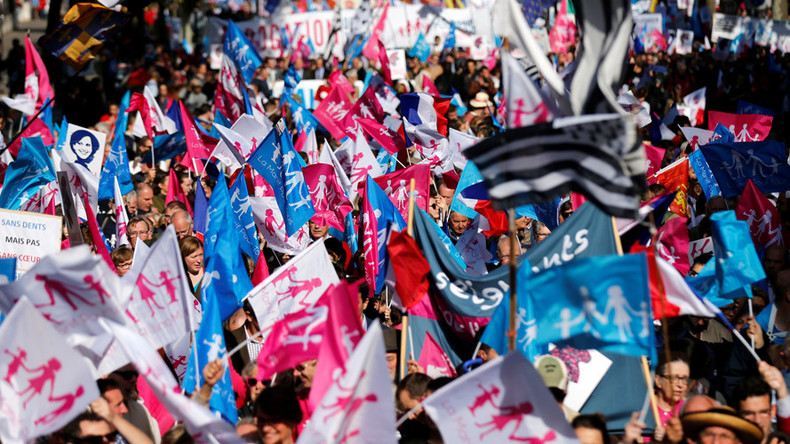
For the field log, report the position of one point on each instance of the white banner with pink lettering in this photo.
(72, 289)
(45, 382)
(358, 407)
(293, 287)
(160, 297)
(503, 401)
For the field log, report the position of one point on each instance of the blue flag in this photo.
(225, 278)
(239, 49)
(117, 164)
(304, 120)
(421, 49)
(704, 175)
(243, 219)
(449, 42)
(737, 264)
(201, 208)
(219, 119)
(388, 218)
(274, 159)
(548, 213)
(174, 113)
(166, 147)
(723, 134)
(8, 268)
(745, 107)
(291, 79)
(470, 176)
(31, 170)
(601, 303)
(733, 164)
(348, 235)
(210, 345)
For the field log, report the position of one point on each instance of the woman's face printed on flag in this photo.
(84, 145)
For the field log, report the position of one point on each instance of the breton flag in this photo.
(585, 154)
(506, 400)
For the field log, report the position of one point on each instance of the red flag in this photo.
(261, 270)
(396, 186)
(762, 216)
(675, 177)
(410, 267)
(745, 127)
(654, 156)
(174, 191)
(672, 244)
(498, 223)
(388, 139)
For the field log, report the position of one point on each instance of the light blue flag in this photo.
(386, 161)
(117, 164)
(737, 263)
(421, 49)
(348, 235)
(470, 176)
(243, 219)
(225, 278)
(707, 286)
(388, 218)
(274, 159)
(704, 175)
(304, 120)
(445, 240)
(291, 79)
(8, 268)
(31, 170)
(239, 49)
(62, 141)
(601, 303)
(449, 42)
(209, 346)
(219, 119)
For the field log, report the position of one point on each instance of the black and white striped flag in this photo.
(589, 154)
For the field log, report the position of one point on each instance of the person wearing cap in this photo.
(391, 341)
(720, 425)
(555, 376)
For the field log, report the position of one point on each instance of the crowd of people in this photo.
(710, 389)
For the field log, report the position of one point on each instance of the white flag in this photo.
(121, 218)
(45, 382)
(505, 400)
(230, 147)
(293, 287)
(250, 128)
(525, 105)
(72, 289)
(160, 297)
(357, 161)
(327, 156)
(270, 223)
(358, 407)
(203, 425)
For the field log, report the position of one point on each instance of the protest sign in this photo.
(28, 237)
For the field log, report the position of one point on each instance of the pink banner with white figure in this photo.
(330, 201)
(396, 186)
(745, 127)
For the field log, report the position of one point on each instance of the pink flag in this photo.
(261, 269)
(36, 128)
(159, 293)
(654, 156)
(358, 161)
(370, 50)
(96, 236)
(174, 191)
(261, 187)
(294, 339)
(563, 34)
(338, 80)
(672, 244)
(229, 98)
(388, 139)
(204, 426)
(331, 112)
(72, 289)
(434, 360)
(505, 400)
(367, 107)
(37, 84)
(294, 286)
(45, 382)
(140, 104)
(762, 216)
(745, 127)
(384, 61)
(271, 224)
(429, 87)
(358, 405)
(330, 201)
(199, 145)
(343, 333)
(396, 186)
(370, 244)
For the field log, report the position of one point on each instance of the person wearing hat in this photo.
(720, 425)
(391, 341)
(555, 375)
(479, 106)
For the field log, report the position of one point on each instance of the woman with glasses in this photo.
(278, 413)
(672, 385)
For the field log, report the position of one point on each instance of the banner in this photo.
(28, 237)
(772, 33)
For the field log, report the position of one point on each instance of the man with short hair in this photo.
(138, 229)
(145, 198)
(102, 425)
(183, 224)
(752, 399)
(171, 209)
(318, 231)
(131, 203)
(456, 224)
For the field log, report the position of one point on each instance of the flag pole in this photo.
(511, 333)
(662, 298)
(650, 391)
(404, 332)
(29, 122)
